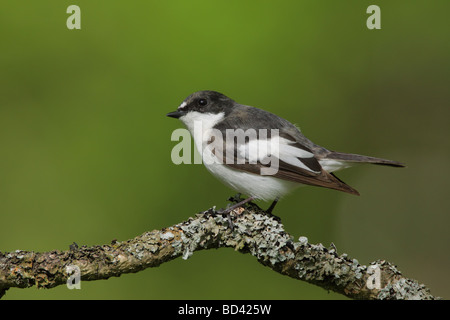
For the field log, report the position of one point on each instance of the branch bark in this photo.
(254, 232)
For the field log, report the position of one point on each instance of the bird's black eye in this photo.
(202, 102)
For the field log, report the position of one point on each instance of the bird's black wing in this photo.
(282, 151)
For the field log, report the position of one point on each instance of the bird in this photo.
(258, 140)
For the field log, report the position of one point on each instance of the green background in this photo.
(85, 145)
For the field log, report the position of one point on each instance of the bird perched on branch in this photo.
(258, 153)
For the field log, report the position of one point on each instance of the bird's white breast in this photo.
(199, 125)
(259, 186)
(266, 188)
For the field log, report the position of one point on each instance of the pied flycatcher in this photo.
(246, 141)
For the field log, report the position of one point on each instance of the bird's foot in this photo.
(270, 210)
(236, 198)
(238, 202)
(212, 212)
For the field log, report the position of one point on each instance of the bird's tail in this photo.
(356, 158)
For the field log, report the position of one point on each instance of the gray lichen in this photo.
(167, 236)
(404, 289)
(253, 232)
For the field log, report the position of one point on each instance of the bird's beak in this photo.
(176, 114)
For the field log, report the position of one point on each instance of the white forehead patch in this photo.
(183, 105)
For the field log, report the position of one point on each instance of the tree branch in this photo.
(253, 232)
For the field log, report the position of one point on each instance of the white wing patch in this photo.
(281, 148)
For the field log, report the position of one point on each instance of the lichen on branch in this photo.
(253, 232)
